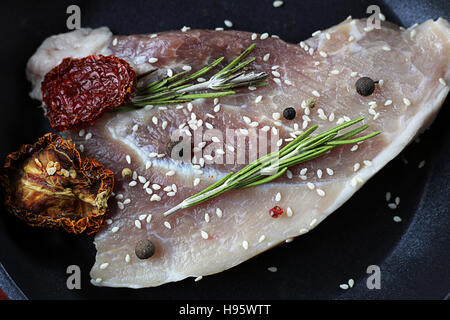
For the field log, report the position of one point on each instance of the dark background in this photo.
(413, 255)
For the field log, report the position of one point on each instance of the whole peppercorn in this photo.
(289, 113)
(365, 86)
(144, 249)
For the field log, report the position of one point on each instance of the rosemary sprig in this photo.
(181, 87)
(301, 149)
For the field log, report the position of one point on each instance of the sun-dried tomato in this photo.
(48, 184)
(78, 91)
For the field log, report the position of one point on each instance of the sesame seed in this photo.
(277, 3)
(127, 258)
(303, 171)
(276, 74)
(397, 219)
(164, 125)
(262, 238)
(353, 74)
(88, 136)
(303, 231)
(219, 29)
(320, 192)
(386, 48)
(148, 190)
(351, 38)
(258, 99)
(276, 80)
(272, 269)
(392, 206)
(330, 171)
(120, 205)
(264, 36)
(204, 234)
(198, 278)
(187, 68)
(217, 108)
(82, 132)
(167, 225)
(184, 29)
(137, 223)
(142, 179)
(228, 23)
(335, 71)
(266, 57)
(319, 173)
(149, 218)
(412, 34)
(127, 201)
(388, 196)
(115, 229)
(354, 148)
(132, 183)
(367, 163)
(397, 200)
(421, 164)
(207, 218)
(289, 212)
(313, 221)
(388, 102)
(169, 72)
(170, 173)
(219, 212)
(245, 244)
(323, 53)
(155, 197)
(152, 60)
(310, 185)
(171, 194)
(316, 33)
(278, 197)
(442, 81)
(314, 92)
(343, 286)
(196, 181)
(114, 42)
(254, 36)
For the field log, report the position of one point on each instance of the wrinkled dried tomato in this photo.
(47, 184)
(79, 91)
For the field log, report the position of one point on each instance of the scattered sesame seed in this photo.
(266, 57)
(289, 212)
(412, 34)
(219, 212)
(88, 136)
(167, 225)
(132, 183)
(155, 197)
(392, 206)
(115, 229)
(314, 92)
(313, 221)
(388, 196)
(316, 33)
(319, 173)
(245, 244)
(303, 231)
(353, 74)
(320, 192)
(330, 171)
(343, 286)
(152, 60)
(198, 278)
(310, 185)
(187, 68)
(277, 3)
(397, 200)
(335, 71)
(421, 164)
(264, 36)
(442, 81)
(351, 38)
(278, 197)
(386, 48)
(388, 102)
(170, 173)
(127, 201)
(204, 234)
(149, 218)
(228, 23)
(397, 219)
(351, 283)
(323, 53)
(254, 36)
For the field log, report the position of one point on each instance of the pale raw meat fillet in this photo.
(414, 67)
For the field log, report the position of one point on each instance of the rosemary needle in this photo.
(181, 87)
(303, 148)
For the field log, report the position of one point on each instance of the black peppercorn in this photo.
(365, 86)
(144, 249)
(289, 113)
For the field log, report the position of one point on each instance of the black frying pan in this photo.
(412, 255)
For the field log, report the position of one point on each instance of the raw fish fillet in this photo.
(414, 67)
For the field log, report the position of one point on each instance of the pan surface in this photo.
(412, 255)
